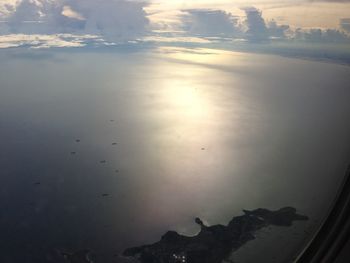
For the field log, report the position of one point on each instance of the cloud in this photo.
(322, 36)
(206, 22)
(36, 41)
(31, 16)
(218, 23)
(345, 24)
(67, 11)
(277, 31)
(125, 20)
(260, 30)
(256, 26)
(114, 19)
(6, 6)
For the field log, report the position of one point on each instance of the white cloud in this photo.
(67, 11)
(114, 19)
(37, 41)
(6, 7)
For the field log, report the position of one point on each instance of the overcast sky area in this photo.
(77, 23)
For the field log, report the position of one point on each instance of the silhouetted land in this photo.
(214, 243)
(80, 256)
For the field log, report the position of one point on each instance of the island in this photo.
(213, 244)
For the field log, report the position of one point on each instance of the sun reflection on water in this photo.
(185, 99)
(189, 106)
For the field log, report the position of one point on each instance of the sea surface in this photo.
(109, 149)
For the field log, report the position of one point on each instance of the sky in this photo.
(77, 23)
(320, 13)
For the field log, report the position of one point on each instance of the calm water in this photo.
(107, 150)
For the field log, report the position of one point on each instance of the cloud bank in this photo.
(216, 23)
(114, 19)
(40, 41)
(254, 28)
(126, 20)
